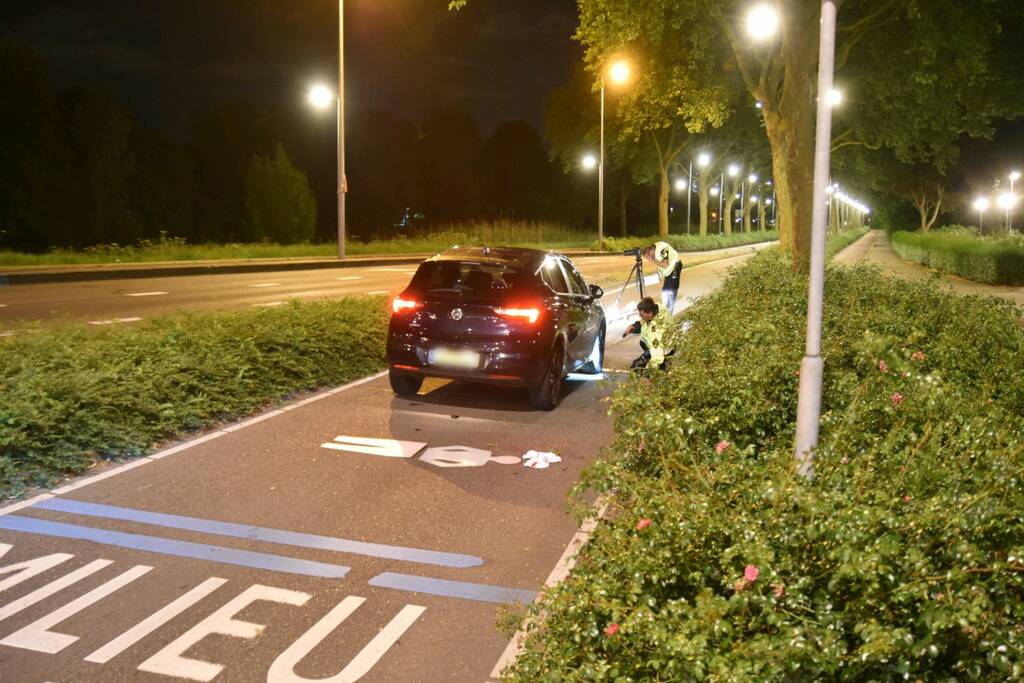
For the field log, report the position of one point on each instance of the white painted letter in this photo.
(26, 570)
(283, 668)
(49, 589)
(387, 448)
(171, 661)
(154, 621)
(38, 636)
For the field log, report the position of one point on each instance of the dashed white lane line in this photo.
(114, 321)
(267, 284)
(145, 293)
(349, 278)
(269, 304)
(3, 305)
(395, 270)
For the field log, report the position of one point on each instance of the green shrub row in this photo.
(902, 560)
(958, 250)
(74, 394)
(691, 242)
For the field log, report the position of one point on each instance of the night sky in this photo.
(166, 59)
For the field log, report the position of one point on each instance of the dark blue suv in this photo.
(517, 317)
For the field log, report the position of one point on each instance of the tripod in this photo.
(636, 277)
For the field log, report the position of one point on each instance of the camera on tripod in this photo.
(635, 251)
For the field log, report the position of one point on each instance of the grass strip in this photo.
(692, 242)
(73, 394)
(961, 251)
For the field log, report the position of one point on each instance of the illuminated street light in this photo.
(1007, 200)
(714, 191)
(753, 200)
(734, 171)
(835, 97)
(704, 160)
(762, 22)
(981, 205)
(681, 184)
(320, 96)
(589, 162)
(753, 178)
(619, 72)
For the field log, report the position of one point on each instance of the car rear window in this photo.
(472, 278)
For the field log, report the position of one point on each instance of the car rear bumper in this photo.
(510, 362)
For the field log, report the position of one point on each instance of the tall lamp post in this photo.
(1007, 201)
(1014, 177)
(619, 73)
(981, 205)
(681, 186)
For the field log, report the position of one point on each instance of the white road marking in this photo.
(146, 294)
(270, 304)
(24, 602)
(395, 270)
(23, 571)
(267, 284)
(3, 305)
(154, 621)
(114, 321)
(387, 448)
(283, 668)
(171, 660)
(351, 277)
(37, 636)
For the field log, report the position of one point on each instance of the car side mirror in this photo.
(596, 291)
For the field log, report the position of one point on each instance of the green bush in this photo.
(961, 251)
(692, 242)
(72, 394)
(902, 560)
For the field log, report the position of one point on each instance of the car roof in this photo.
(507, 256)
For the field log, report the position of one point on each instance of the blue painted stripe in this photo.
(166, 546)
(452, 589)
(255, 533)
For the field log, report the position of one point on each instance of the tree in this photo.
(516, 173)
(925, 72)
(163, 186)
(279, 206)
(449, 161)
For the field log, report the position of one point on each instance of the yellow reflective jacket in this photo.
(653, 335)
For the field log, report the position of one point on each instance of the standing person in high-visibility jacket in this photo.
(652, 326)
(666, 258)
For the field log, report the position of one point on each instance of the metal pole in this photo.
(721, 198)
(1009, 211)
(341, 128)
(600, 180)
(808, 412)
(743, 200)
(689, 195)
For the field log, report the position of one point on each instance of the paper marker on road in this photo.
(145, 293)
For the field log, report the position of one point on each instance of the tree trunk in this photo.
(663, 202)
(746, 215)
(703, 202)
(727, 213)
(762, 209)
(623, 198)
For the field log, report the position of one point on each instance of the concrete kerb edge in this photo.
(82, 482)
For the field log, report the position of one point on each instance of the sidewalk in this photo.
(22, 275)
(875, 249)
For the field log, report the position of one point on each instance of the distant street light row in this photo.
(1006, 201)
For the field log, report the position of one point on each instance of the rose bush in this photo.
(902, 559)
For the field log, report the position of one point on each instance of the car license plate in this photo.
(451, 358)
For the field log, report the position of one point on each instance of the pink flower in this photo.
(611, 629)
(896, 399)
(722, 447)
(882, 366)
(751, 572)
(643, 524)
(906, 499)
(918, 356)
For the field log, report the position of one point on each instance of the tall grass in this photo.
(961, 251)
(74, 394)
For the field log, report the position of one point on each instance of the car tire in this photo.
(404, 385)
(595, 364)
(546, 394)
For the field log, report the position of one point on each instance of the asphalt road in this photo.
(348, 536)
(129, 300)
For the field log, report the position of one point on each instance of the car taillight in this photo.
(530, 315)
(399, 304)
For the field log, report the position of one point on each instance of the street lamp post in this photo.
(981, 205)
(1014, 177)
(689, 196)
(619, 73)
(341, 129)
(321, 97)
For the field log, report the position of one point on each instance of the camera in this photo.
(635, 251)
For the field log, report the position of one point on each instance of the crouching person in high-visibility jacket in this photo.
(652, 328)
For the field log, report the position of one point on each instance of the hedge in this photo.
(902, 560)
(692, 242)
(73, 394)
(957, 250)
